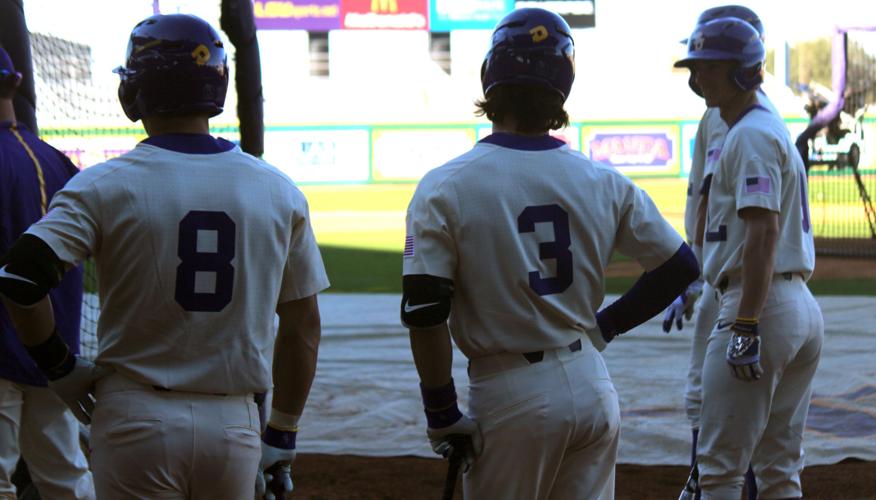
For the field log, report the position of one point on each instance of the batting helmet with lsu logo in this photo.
(531, 46)
(734, 11)
(175, 64)
(728, 39)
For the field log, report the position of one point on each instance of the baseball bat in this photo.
(455, 453)
(452, 472)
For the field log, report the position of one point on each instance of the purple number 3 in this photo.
(557, 249)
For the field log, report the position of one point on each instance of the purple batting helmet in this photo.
(728, 39)
(734, 11)
(175, 64)
(9, 78)
(532, 47)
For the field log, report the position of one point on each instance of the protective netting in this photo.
(842, 179)
(70, 104)
(860, 70)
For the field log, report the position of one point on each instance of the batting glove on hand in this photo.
(447, 428)
(274, 479)
(76, 388)
(463, 437)
(682, 306)
(743, 350)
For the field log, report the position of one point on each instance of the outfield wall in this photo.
(402, 153)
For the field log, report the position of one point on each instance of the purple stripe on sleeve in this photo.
(409, 246)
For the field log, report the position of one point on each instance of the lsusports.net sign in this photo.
(325, 15)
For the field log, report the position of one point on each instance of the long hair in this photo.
(534, 109)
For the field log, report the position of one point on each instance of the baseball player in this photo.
(707, 149)
(34, 423)
(758, 251)
(510, 241)
(196, 244)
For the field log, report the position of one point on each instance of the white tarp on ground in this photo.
(365, 399)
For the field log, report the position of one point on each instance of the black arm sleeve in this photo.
(650, 294)
(29, 270)
(425, 300)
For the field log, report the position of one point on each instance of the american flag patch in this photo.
(713, 154)
(409, 246)
(757, 184)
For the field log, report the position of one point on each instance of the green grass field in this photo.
(361, 229)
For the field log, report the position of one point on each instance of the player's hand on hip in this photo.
(683, 306)
(462, 438)
(743, 350)
(674, 314)
(274, 478)
(76, 388)
(692, 294)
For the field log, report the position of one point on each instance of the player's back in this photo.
(190, 251)
(536, 224)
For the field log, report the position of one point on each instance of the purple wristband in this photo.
(279, 439)
(440, 405)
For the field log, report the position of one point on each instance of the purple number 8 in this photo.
(194, 260)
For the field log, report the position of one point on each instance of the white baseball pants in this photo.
(155, 444)
(36, 424)
(760, 422)
(550, 428)
(704, 323)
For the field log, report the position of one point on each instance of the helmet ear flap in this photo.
(128, 99)
(748, 78)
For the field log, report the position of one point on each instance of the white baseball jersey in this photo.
(758, 167)
(525, 228)
(193, 253)
(707, 150)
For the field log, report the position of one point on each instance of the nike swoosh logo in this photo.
(722, 326)
(6, 274)
(409, 308)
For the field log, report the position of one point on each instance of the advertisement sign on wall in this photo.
(652, 150)
(311, 15)
(688, 138)
(86, 151)
(385, 14)
(446, 15)
(407, 154)
(578, 13)
(319, 155)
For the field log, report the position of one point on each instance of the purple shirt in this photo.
(20, 206)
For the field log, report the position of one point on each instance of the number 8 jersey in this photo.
(525, 227)
(195, 244)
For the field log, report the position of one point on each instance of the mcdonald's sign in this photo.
(385, 14)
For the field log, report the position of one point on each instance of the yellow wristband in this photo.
(283, 421)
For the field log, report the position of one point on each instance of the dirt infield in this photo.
(351, 477)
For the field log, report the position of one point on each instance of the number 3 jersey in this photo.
(195, 244)
(525, 227)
